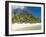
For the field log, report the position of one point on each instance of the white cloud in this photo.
(15, 7)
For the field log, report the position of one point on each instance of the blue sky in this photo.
(36, 11)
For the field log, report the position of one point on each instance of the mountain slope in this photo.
(24, 15)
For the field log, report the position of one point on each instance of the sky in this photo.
(15, 7)
(36, 11)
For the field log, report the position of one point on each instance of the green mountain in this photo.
(24, 15)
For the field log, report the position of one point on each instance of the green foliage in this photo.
(27, 17)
